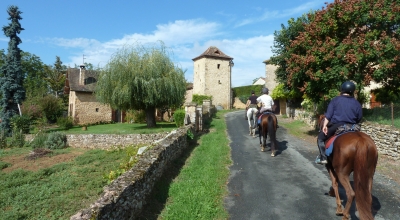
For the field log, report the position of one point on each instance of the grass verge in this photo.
(198, 191)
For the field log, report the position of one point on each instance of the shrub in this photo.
(3, 140)
(21, 123)
(17, 139)
(51, 107)
(39, 140)
(198, 99)
(179, 117)
(139, 116)
(31, 110)
(56, 140)
(65, 123)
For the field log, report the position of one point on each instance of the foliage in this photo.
(198, 99)
(386, 96)
(3, 140)
(39, 140)
(32, 111)
(21, 123)
(190, 134)
(130, 159)
(33, 70)
(139, 116)
(142, 77)
(281, 92)
(179, 117)
(12, 92)
(56, 140)
(55, 76)
(282, 42)
(348, 40)
(246, 91)
(17, 138)
(65, 123)
(51, 107)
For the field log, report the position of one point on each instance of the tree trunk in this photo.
(151, 117)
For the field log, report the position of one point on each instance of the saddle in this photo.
(260, 116)
(339, 131)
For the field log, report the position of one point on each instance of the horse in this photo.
(265, 128)
(353, 152)
(251, 114)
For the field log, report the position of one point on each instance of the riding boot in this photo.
(322, 157)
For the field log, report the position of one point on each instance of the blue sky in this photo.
(96, 29)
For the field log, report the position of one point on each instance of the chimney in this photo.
(82, 75)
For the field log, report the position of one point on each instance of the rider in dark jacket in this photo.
(343, 109)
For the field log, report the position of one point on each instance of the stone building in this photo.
(271, 83)
(212, 77)
(83, 106)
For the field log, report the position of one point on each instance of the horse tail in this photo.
(366, 157)
(271, 131)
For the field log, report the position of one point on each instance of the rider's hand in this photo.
(325, 130)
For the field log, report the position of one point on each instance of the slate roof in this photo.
(213, 52)
(72, 82)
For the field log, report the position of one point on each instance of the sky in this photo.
(92, 31)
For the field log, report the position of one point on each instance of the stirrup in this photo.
(318, 160)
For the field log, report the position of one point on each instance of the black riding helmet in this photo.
(348, 87)
(265, 90)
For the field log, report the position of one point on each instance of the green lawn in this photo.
(120, 128)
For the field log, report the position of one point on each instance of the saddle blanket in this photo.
(329, 143)
(259, 117)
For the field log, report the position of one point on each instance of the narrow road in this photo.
(290, 185)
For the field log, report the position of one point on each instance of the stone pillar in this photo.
(190, 109)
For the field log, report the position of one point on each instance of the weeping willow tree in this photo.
(141, 77)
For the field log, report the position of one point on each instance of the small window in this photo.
(97, 109)
(218, 66)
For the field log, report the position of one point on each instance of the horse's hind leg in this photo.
(335, 188)
(344, 180)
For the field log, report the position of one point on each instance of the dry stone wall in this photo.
(125, 197)
(386, 138)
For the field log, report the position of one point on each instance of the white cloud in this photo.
(267, 15)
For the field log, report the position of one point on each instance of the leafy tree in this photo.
(11, 89)
(55, 76)
(142, 77)
(281, 48)
(348, 40)
(33, 71)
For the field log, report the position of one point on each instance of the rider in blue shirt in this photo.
(343, 109)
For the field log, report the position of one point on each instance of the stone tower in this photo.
(212, 76)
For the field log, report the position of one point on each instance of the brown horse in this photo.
(268, 127)
(353, 152)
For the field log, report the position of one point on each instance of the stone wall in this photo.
(125, 197)
(386, 138)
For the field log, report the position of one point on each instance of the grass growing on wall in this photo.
(198, 191)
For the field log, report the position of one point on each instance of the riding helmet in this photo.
(348, 87)
(265, 90)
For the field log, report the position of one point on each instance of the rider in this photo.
(252, 101)
(266, 103)
(343, 109)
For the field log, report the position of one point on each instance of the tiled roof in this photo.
(213, 52)
(73, 80)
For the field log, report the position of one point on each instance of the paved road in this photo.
(290, 185)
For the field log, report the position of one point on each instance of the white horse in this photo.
(251, 114)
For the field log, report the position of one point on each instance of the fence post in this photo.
(391, 105)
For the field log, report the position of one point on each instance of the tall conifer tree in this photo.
(11, 80)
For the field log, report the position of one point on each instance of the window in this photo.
(218, 66)
(97, 109)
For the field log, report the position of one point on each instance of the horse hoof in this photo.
(273, 155)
